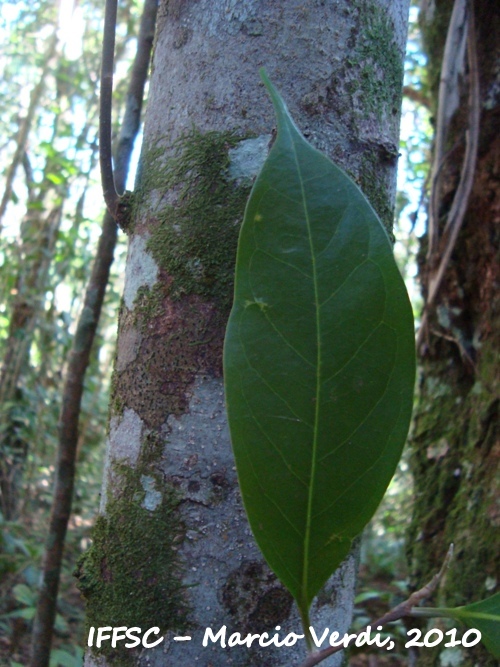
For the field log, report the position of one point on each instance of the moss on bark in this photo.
(376, 61)
(194, 210)
(455, 463)
(131, 575)
(195, 238)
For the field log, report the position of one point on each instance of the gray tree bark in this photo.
(172, 544)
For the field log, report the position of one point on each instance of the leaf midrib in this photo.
(305, 573)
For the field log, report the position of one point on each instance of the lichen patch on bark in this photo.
(125, 435)
(152, 497)
(246, 159)
(128, 345)
(141, 269)
(122, 445)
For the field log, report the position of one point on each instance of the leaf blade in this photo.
(312, 257)
(485, 617)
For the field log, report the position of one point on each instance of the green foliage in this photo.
(319, 362)
(70, 657)
(26, 596)
(47, 243)
(21, 548)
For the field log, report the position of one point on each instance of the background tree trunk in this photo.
(455, 442)
(172, 547)
(40, 230)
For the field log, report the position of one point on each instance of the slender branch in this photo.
(80, 354)
(417, 96)
(25, 126)
(406, 608)
(461, 198)
(28, 171)
(111, 195)
(447, 104)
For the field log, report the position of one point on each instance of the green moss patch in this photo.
(196, 238)
(377, 61)
(131, 575)
(372, 183)
(454, 464)
(148, 304)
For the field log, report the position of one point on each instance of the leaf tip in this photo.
(280, 107)
(263, 76)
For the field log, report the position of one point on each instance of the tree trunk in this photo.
(37, 249)
(172, 547)
(455, 442)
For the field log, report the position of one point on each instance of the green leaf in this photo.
(56, 179)
(61, 658)
(483, 616)
(319, 362)
(370, 595)
(27, 613)
(24, 594)
(60, 624)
